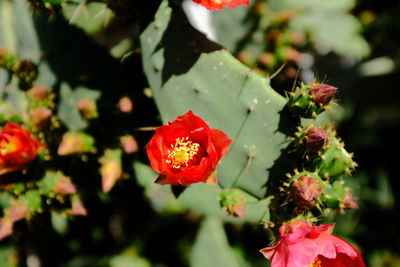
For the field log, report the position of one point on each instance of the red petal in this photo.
(212, 179)
(221, 142)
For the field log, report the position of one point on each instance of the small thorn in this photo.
(296, 171)
(288, 175)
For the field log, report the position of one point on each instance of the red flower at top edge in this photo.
(18, 148)
(187, 151)
(219, 4)
(303, 245)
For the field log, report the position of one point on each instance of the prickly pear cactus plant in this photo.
(84, 89)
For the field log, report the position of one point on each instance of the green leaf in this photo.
(211, 247)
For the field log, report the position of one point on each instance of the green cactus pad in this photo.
(193, 73)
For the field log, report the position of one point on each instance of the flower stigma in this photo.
(6, 147)
(182, 152)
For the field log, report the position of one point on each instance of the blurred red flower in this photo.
(18, 148)
(187, 151)
(219, 4)
(303, 245)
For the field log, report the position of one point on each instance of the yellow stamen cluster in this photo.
(182, 152)
(316, 263)
(6, 147)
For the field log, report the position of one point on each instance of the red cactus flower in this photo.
(219, 4)
(18, 148)
(187, 151)
(303, 245)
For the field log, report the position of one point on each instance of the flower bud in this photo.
(64, 186)
(87, 108)
(75, 143)
(129, 144)
(323, 93)
(40, 117)
(349, 201)
(233, 201)
(40, 93)
(111, 168)
(316, 139)
(77, 208)
(306, 190)
(125, 105)
(16, 212)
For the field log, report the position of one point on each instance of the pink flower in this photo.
(303, 245)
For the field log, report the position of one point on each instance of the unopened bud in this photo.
(125, 104)
(111, 168)
(39, 93)
(77, 208)
(64, 186)
(129, 144)
(40, 117)
(75, 143)
(323, 93)
(349, 201)
(316, 139)
(87, 108)
(233, 201)
(306, 190)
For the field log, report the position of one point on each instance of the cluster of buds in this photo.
(307, 190)
(324, 151)
(310, 100)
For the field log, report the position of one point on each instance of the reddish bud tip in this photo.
(87, 108)
(316, 139)
(306, 190)
(233, 201)
(64, 186)
(349, 201)
(323, 93)
(40, 117)
(39, 93)
(129, 144)
(125, 104)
